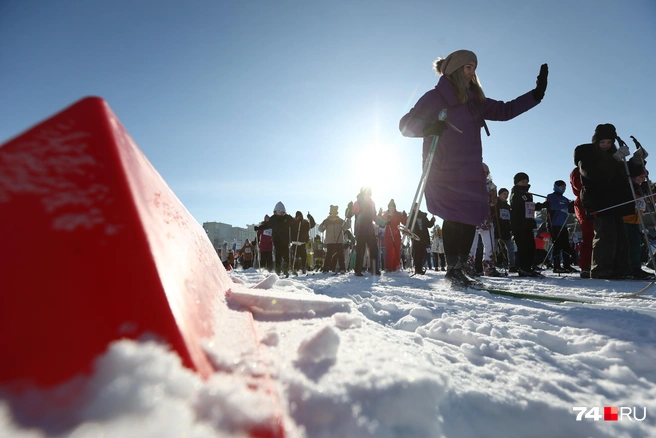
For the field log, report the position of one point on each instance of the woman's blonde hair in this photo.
(459, 81)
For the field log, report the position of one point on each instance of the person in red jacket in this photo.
(542, 236)
(587, 225)
(393, 237)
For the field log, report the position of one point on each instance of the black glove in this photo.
(541, 83)
(435, 128)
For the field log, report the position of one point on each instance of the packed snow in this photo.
(389, 356)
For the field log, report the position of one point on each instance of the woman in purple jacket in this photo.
(455, 188)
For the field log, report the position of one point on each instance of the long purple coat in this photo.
(455, 189)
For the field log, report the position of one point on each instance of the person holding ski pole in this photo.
(502, 231)
(334, 226)
(586, 223)
(422, 225)
(280, 224)
(559, 208)
(606, 194)
(522, 220)
(300, 231)
(455, 186)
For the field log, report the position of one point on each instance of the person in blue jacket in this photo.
(559, 209)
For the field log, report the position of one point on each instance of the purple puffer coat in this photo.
(455, 189)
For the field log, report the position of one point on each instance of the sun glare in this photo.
(383, 168)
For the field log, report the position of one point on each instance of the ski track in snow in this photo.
(389, 356)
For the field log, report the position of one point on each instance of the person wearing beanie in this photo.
(457, 167)
(503, 230)
(558, 210)
(632, 222)
(606, 196)
(522, 220)
(280, 227)
(334, 226)
(392, 237)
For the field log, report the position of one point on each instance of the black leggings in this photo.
(458, 238)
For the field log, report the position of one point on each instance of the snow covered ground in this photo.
(389, 356)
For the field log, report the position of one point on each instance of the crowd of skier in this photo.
(508, 241)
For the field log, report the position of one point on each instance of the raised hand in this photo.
(541, 83)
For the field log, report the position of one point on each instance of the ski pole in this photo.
(618, 205)
(424, 177)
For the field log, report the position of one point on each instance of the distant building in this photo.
(219, 232)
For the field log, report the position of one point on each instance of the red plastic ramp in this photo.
(96, 247)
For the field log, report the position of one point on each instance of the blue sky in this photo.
(241, 104)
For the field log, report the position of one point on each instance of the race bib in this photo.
(268, 232)
(641, 204)
(529, 210)
(247, 250)
(504, 215)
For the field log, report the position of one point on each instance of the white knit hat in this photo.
(280, 207)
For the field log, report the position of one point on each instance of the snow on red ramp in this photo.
(96, 247)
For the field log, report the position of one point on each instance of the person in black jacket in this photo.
(522, 220)
(280, 224)
(364, 210)
(422, 225)
(606, 195)
(502, 229)
(300, 236)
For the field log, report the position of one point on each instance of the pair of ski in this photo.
(482, 287)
